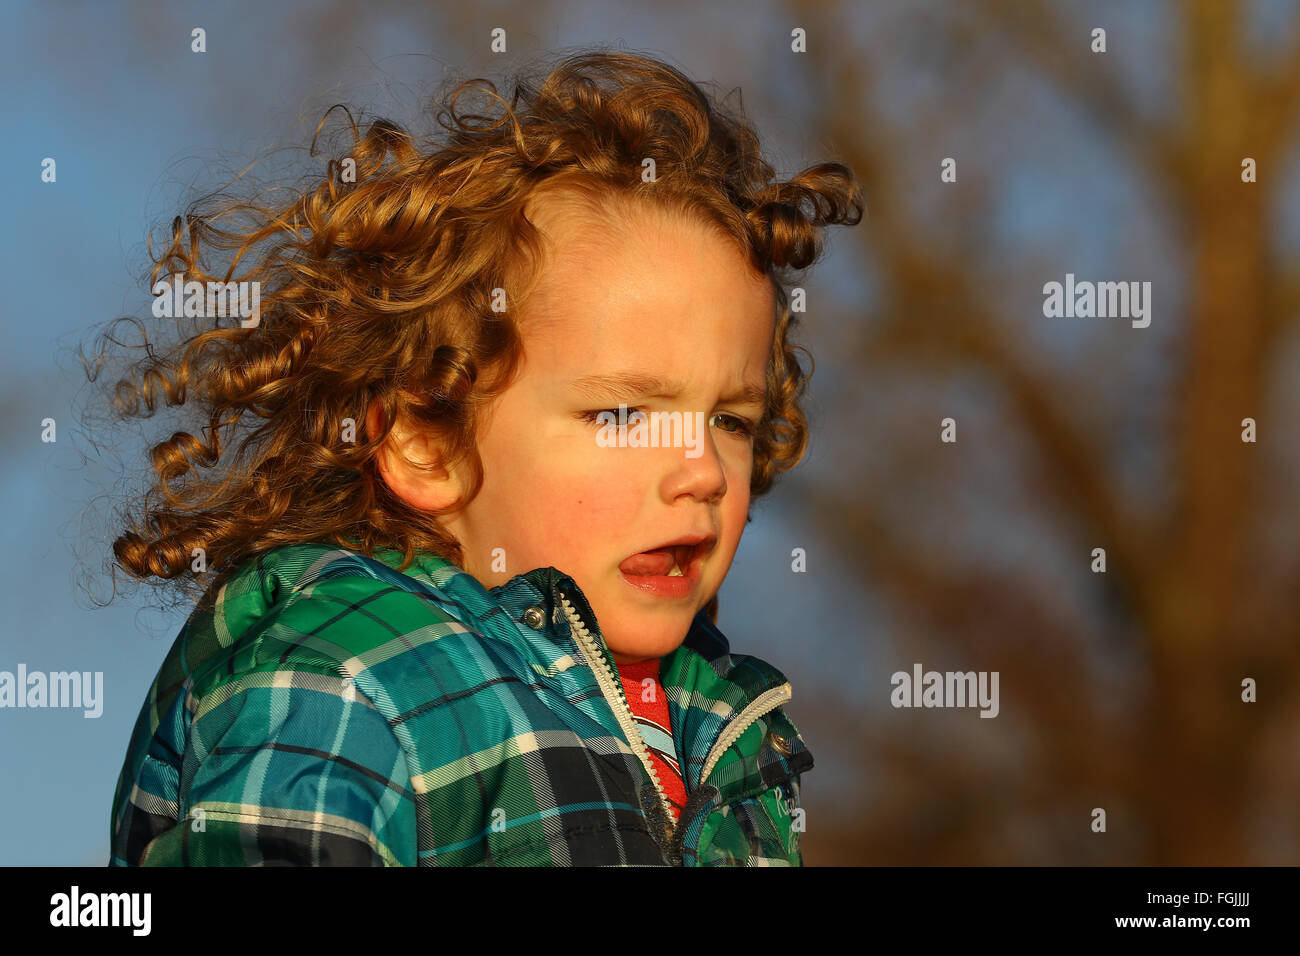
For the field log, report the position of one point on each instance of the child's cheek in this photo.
(602, 503)
(582, 495)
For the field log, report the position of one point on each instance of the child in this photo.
(518, 392)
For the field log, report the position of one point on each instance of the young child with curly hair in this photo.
(456, 606)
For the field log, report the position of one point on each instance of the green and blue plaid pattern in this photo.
(327, 709)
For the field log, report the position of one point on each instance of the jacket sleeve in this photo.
(289, 768)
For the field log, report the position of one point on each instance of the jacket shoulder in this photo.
(313, 607)
(295, 659)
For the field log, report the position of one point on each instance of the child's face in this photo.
(676, 302)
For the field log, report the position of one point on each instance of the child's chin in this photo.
(649, 642)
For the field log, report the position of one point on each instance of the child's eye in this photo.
(611, 416)
(739, 426)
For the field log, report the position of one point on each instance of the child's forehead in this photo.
(653, 302)
(580, 355)
(577, 228)
(655, 272)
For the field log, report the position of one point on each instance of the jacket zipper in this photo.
(764, 703)
(612, 688)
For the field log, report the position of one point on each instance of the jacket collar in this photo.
(707, 686)
(730, 680)
(540, 588)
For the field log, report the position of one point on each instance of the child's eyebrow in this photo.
(640, 384)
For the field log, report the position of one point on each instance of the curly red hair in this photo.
(379, 290)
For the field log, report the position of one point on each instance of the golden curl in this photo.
(379, 290)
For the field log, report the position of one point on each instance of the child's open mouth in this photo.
(670, 570)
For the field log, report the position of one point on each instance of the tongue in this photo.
(659, 561)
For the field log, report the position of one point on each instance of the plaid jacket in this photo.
(327, 709)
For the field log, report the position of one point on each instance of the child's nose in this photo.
(702, 476)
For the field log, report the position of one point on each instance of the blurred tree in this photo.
(1193, 601)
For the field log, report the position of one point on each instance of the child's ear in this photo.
(411, 464)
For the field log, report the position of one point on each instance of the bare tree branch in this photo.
(934, 308)
(1036, 32)
(1276, 106)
